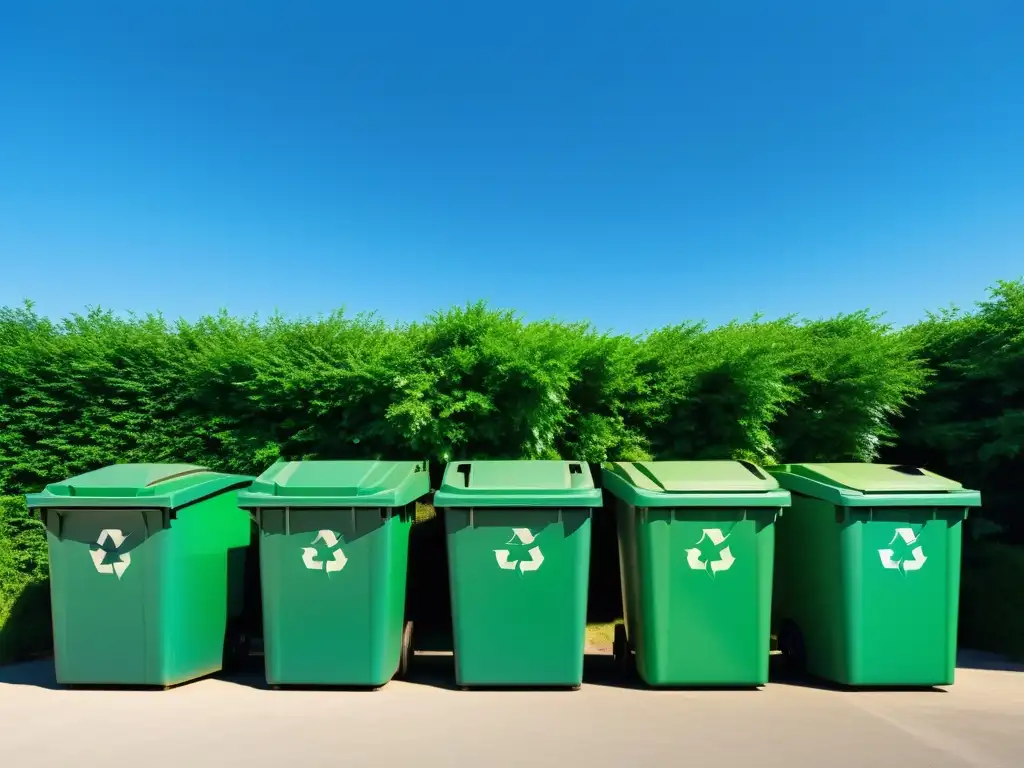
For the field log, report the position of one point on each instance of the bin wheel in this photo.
(791, 645)
(621, 652)
(406, 658)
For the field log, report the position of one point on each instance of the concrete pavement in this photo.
(977, 722)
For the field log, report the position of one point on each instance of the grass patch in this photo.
(601, 634)
(424, 512)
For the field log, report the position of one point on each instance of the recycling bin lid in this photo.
(693, 484)
(528, 483)
(863, 484)
(338, 484)
(163, 486)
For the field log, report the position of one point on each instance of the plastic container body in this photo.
(519, 559)
(334, 542)
(146, 572)
(868, 573)
(696, 550)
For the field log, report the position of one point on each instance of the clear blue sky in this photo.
(632, 163)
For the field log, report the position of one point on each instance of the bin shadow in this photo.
(41, 673)
(256, 679)
(782, 675)
(433, 663)
(602, 669)
(26, 639)
(33, 674)
(436, 669)
(432, 668)
(989, 662)
(27, 634)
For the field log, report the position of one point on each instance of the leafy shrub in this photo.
(969, 423)
(852, 376)
(236, 394)
(24, 586)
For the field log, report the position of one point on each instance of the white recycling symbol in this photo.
(337, 561)
(116, 538)
(725, 557)
(917, 553)
(525, 537)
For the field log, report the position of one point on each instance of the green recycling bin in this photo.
(867, 578)
(519, 558)
(147, 567)
(334, 542)
(696, 545)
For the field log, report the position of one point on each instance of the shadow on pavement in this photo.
(780, 674)
(41, 674)
(992, 662)
(602, 669)
(434, 667)
(437, 669)
(35, 674)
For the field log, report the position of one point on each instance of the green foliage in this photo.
(970, 421)
(716, 394)
(24, 585)
(483, 384)
(853, 376)
(236, 394)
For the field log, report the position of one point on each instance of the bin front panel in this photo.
(703, 600)
(103, 578)
(902, 587)
(519, 594)
(333, 594)
(201, 584)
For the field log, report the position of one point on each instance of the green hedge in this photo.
(969, 422)
(25, 628)
(235, 394)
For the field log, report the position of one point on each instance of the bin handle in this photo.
(60, 521)
(44, 516)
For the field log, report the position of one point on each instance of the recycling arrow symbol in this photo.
(695, 559)
(108, 543)
(525, 537)
(917, 556)
(330, 540)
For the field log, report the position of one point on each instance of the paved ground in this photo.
(977, 722)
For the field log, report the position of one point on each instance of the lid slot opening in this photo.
(906, 469)
(753, 469)
(175, 476)
(464, 469)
